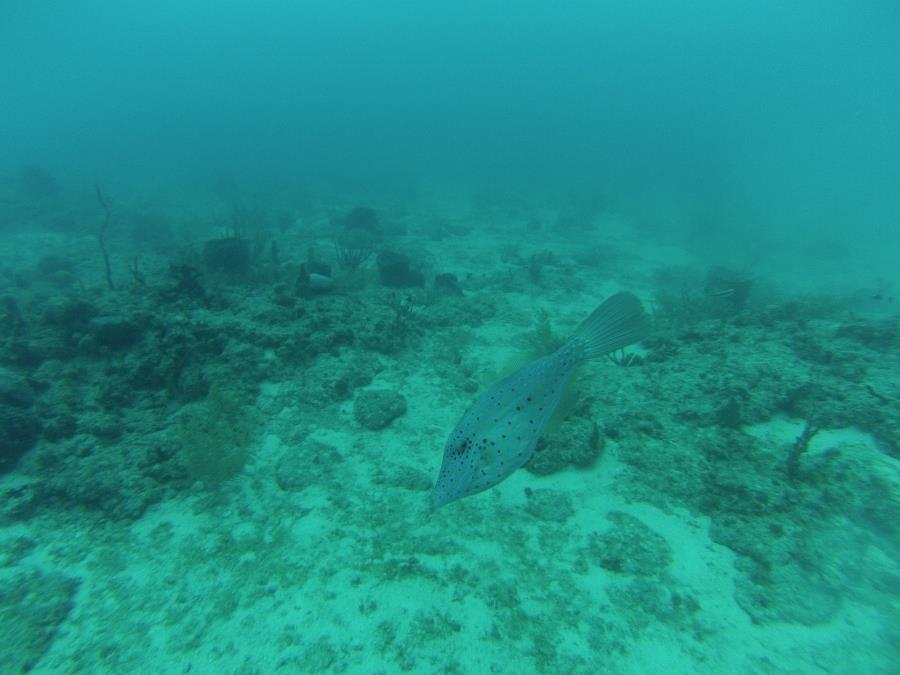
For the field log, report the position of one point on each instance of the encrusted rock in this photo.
(115, 332)
(553, 506)
(19, 429)
(312, 463)
(577, 442)
(630, 547)
(375, 409)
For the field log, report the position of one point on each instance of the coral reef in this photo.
(228, 418)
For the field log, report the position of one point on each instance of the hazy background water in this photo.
(730, 120)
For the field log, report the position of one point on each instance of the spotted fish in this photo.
(498, 434)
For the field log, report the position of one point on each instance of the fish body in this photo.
(499, 432)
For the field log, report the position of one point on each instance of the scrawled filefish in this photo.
(498, 434)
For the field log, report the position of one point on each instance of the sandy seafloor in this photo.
(686, 546)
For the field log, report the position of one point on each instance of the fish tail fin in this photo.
(619, 321)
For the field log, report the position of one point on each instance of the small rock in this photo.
(376, 409)
(14, 390)
(115, 332)
(63, 425)
(630, 547)
(552, 506)
(407, 478)
(395, 271)
(313, 462)
(576, 442)
(19, 429)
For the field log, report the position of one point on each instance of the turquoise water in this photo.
(257, 261)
